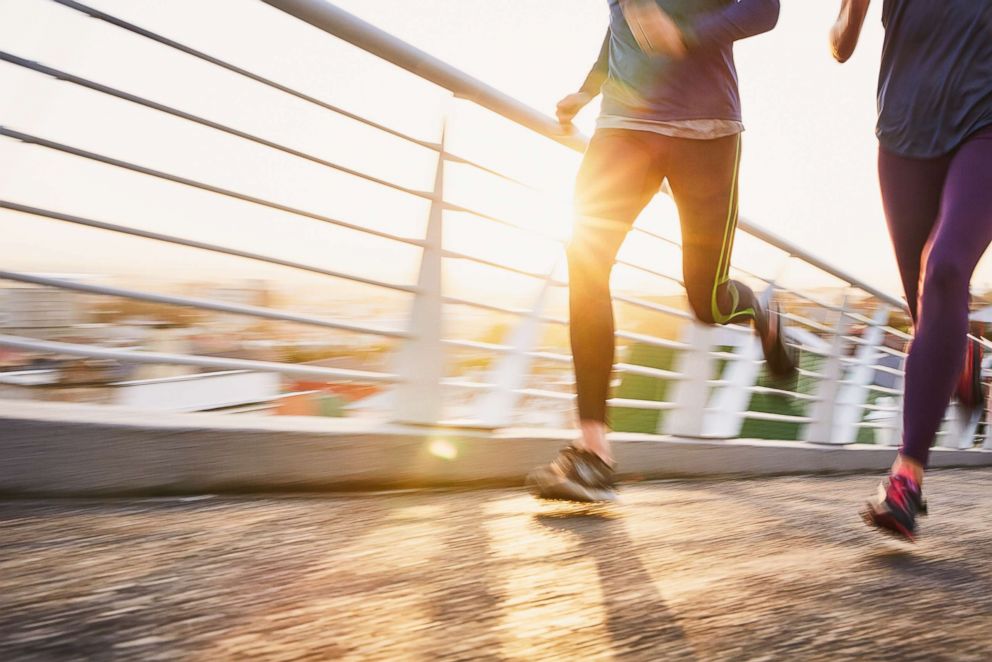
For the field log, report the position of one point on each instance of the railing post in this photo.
(962, 424)
(495, 408)
(896, 436)
(986, 401)
(961, 427)
(692, 390)
(821, 430)
(848, 411)
(420, 360)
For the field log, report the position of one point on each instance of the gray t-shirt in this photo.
(702, 129)
(935, 82)
(701, 85)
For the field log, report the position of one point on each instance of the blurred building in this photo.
(247, 292)
(41, 312)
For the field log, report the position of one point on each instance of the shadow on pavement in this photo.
(639, 621)
(909, 561)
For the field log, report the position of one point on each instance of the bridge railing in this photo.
(486, 223)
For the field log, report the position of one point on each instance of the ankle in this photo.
(908, 467)
(593, 440)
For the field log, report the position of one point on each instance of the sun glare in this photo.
(443, 449)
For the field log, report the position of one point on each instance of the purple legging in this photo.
(939, 213)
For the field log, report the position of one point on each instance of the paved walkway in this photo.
(762, 569)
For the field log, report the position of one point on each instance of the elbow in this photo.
(841, 47)
(773, 11)
(839, 51)
(769, 15)
(842, 55)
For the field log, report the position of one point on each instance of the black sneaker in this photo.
(575, 475)
(895, 507)
(780, 357)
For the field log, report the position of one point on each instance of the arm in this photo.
(738, 20)
(659, 34)
(597, 75)
(846, 31)
(570, 106)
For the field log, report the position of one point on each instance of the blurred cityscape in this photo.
(57, 314)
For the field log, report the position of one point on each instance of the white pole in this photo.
(420, 360)
(691, 391)
(848, 411)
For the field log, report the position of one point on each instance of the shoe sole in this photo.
(781, 360)
(971, 396)
(566, 490)
(886, 523)
(785, 365)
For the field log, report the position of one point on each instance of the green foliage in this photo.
(869, 435)
(641, 387)
(774, 403)
(331, 405)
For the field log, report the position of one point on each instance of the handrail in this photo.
(171, 43)
(201, 304)
(348, 27)
(214, 362)
(170, 239)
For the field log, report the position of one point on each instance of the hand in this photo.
(569, 107)
(655, 31)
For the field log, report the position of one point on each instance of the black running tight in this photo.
(621, 171)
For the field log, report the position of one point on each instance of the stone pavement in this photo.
(777, 568)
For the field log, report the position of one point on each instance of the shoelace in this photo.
(566, 457)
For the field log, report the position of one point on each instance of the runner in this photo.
(671, 109)
(935, 171)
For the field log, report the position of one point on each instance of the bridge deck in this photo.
(682, 569)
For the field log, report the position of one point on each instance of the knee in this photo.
(574, 249)
(726, 302)
(703, 313)
(701, 304)
(944, 275)
(577, 254)
(587, 254)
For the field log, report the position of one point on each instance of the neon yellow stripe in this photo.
(730, 228)
(726, 250)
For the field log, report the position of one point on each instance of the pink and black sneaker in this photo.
(895, 507)
(969, 389)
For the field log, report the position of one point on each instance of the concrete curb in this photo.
(54, 449)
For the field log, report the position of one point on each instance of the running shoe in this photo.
(575, 475)
(969, 389)
(895, 507)
(780, 357)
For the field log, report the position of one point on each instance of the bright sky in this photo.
(808, 166)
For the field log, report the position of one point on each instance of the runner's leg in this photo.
(703, 177)
(957, 240)
(620, 173)
(911, 192)
(962, 233)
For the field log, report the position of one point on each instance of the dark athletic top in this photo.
(935, 82)
(703, 84)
